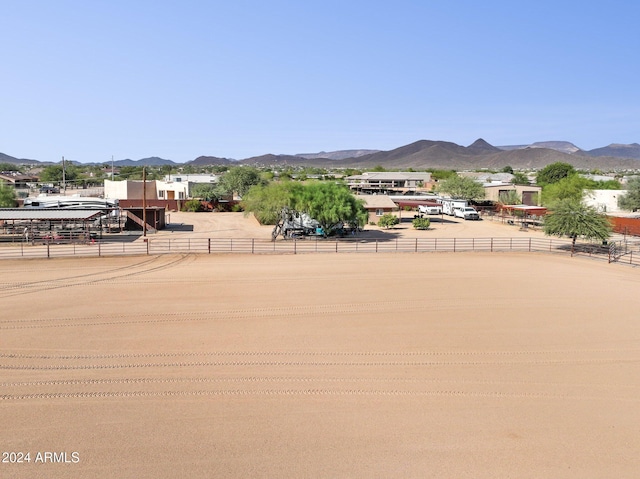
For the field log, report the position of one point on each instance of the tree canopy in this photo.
(572, 218)
(7, 197)
(206, 191)
(330, 204)
(54, 174)
(460, 187)
(239, 179)
(554, 172)
(630, 201)
(266, 201)
(326, 202)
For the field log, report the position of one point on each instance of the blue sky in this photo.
(179, 79)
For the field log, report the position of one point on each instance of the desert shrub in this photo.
(388, 221)
(421, 223)
(192, 205)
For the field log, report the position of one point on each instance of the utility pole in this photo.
(64, 180)
(144, 202)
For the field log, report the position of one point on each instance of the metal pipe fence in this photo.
(156, 246)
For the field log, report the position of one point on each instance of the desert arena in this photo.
(420, 365)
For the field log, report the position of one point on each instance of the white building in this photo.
(605, 201)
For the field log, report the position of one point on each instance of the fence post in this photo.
(396, 244)
(376, 246)
(529, 244)
(336, 246)
(253, 242)
(99, 251)
(48, 252)
(416, 249)
(454, 245)
(147, 241)
(492, 244)
(231, 245)
(295, 246)
(209, 245)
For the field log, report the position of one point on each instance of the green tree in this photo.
(53, 173)
(266, 201)
(572, 218)
(239, 179)
(460, 187)
(554, 172)
(572, 186)
(507, 169)
(206, 191)
(519, 178)
(9, 167)
(7, 197)
(130, 173)
(438, 175)
(330, 204)
(388, 220)
(630, 201)
(421, 223)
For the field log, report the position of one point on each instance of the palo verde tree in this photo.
(630, 201)
(460, 187)
(330, 204)
(570, 187)
(266, 201)
(573, 218)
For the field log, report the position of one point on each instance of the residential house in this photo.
(378, 205)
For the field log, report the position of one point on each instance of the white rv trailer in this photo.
(449, 206)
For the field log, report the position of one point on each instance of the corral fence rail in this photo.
(613, 252)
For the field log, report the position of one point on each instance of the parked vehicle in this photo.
(468, 213)
(449, 206)
(430, 210)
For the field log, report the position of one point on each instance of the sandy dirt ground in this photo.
(370, 365)
(238, 225)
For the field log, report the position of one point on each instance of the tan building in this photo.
(378, 205)
(527, 194)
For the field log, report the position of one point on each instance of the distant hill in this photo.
(424, 154)
(210, 160)
(617, 150)
(336, 155)
(152, 161)
(17, 161)
(563, 146)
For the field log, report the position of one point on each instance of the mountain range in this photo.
(427, 154)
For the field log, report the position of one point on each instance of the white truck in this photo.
(430, 210)
(467, 213)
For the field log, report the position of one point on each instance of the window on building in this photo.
(161, 194)
(181, 195)
(379, 212)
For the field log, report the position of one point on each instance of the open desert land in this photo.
(473, 365)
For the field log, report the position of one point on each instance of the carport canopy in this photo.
(48, 214)
(527, 210)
